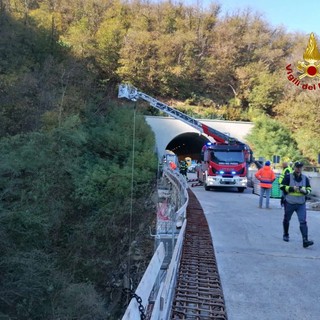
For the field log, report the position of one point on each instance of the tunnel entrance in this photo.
(187, 145)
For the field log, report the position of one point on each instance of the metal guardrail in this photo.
(156, 288)
(145, 286)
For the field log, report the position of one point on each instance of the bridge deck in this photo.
(262, 276)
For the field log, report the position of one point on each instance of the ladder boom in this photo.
(132, 93)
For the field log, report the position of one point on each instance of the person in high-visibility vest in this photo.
(183, 168)
(266, 176)
(286, 169)
(296, 187)
(188, 161)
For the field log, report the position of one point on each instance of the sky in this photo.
(295, 15)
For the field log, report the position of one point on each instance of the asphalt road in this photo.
(263, 277)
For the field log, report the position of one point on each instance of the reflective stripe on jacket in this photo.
(296, 197)
(266, 177)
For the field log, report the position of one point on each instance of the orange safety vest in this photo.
(266, 176)
(173, 166)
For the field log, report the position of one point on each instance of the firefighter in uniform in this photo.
(296, 187)
(183, 168)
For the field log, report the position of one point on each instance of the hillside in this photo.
(66, 140)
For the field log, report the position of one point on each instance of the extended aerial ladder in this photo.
(130, 92)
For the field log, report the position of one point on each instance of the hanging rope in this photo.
(132, 180)
(128, 288)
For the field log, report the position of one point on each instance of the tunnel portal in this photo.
(187, 145)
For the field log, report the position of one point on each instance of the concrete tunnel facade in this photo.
(184, 140)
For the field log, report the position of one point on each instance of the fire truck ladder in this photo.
(131, 93)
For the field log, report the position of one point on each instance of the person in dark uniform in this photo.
(183, 168)
(296, 186)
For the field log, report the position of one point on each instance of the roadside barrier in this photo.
(154, 295)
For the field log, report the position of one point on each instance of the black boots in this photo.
(307, 243)
(285, 231)
(286, 237)
(304, 231)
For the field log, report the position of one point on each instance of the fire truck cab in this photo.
(224, 165)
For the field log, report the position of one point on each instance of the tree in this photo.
(109, 40)
(300, 112)
(65, 200)
(268, 138)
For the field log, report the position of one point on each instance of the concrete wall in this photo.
(315, 182)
